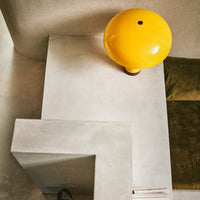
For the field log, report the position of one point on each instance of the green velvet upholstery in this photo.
(182, 81)
(184, 129)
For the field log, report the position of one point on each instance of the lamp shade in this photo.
(137, 39)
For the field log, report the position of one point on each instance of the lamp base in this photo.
(131, 74)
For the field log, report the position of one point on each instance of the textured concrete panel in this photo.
(31, 22)
(52, 172)
(37, 143)
(82, 83)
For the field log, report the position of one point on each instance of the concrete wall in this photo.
(31, 21)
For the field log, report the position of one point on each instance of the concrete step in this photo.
(88, 158)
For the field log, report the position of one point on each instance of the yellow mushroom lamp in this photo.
(137, 39)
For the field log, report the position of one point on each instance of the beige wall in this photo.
(31, 21)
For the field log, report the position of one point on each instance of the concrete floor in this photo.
(21, 89)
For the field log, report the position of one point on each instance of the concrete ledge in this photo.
(59, 154)
(82, 83)
(186, 194)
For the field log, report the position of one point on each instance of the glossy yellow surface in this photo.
(137, 39)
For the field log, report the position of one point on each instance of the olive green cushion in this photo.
(184, 132)
(182, 79)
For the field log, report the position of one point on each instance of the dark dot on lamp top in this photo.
(140, 22)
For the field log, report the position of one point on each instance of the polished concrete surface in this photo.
(92, 87)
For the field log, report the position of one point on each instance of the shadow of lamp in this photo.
(137, 39)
